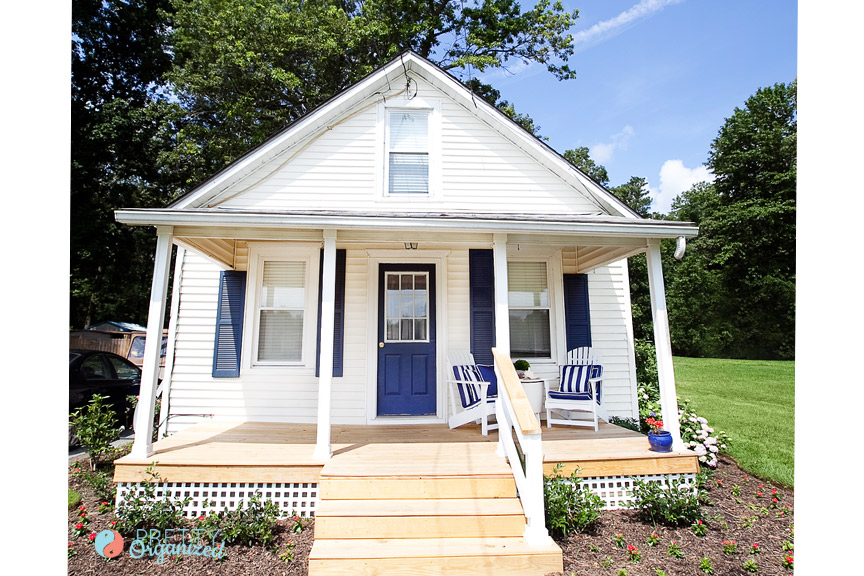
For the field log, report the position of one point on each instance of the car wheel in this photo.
(74, 442)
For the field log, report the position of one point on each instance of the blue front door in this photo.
(406, 340)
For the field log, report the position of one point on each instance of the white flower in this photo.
(710, 440)
(700, 450)
(703, 459)
(712, 448)
(722, 446)
(702, 420)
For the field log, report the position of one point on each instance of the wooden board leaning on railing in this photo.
(525, 417)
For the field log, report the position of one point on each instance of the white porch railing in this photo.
(515, 414)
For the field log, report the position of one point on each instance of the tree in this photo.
(245, 70)
(734, 293)
(580, 158)
(119, 127)
(635, 194)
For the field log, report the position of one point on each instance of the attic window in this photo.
(408, 152)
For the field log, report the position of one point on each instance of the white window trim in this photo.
(309, 254)
(553, 274)
(382, 156)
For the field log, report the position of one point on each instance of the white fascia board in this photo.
(638, 228)
(298, 133)
(496, 120)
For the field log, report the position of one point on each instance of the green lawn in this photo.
(751, 400)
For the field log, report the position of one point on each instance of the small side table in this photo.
(536, 392)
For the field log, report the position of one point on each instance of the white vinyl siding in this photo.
(480, 170)
(282, 395)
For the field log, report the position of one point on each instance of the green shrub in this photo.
(100, 482)
(254, 523)
(143, 510)
(74, 498)
(677, 504)
(570, 507)
(95, 425)
(521, 365)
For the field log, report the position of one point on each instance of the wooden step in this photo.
(433, 556)
(386, 488)
(456, 518)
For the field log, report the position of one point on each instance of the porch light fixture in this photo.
(410, 245)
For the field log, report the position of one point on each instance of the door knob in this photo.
(380, 344)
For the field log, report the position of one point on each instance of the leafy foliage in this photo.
(676, 504)
(143, 510)
(734, 294)
(249, 524)
(95, 425)
(569, 506)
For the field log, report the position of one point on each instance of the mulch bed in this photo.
(239, 560)
(745, 518)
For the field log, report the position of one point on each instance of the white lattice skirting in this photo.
(617, 491)
(299, 499)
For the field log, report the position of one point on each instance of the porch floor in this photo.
(230, 451)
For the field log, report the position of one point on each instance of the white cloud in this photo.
(675, 178)
(610, 28)
(602, 152)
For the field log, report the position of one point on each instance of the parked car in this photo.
(99, 372)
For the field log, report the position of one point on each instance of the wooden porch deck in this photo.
(222, 451)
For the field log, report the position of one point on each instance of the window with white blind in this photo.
(529, 303)
(281, 312)
(408, 152)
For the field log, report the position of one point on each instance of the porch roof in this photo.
(556, 224)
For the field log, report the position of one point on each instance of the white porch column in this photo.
(142, 446)
(325, 360)
(663, 345)
(502, 314)
(502, 305)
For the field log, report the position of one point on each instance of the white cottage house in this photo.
(323, 280)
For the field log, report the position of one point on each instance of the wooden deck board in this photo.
(226, 451)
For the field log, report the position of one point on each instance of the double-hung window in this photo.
(281, 312)
(528, 298)
(408, 151)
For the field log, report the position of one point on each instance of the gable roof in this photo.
(376, 85)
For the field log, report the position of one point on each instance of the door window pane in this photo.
(406, 307)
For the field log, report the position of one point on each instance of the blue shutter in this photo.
(229, 324)
(481, 281)
(577, 317)
(338, 316)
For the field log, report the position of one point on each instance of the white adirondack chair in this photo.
(579, 390)
(468, 388)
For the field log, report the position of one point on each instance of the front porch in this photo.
(247, 453)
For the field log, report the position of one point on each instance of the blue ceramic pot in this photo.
(660, 441)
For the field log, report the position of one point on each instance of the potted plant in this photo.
(659, 439)
(522, 368)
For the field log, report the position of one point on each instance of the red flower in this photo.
(788, 558)
(92, 536)
(81, 507)
(113, 523)
(630, 548)
(79, 526)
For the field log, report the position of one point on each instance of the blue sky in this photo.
(655, 81)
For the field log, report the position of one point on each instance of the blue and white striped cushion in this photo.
(574, 382)
(469, 394)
